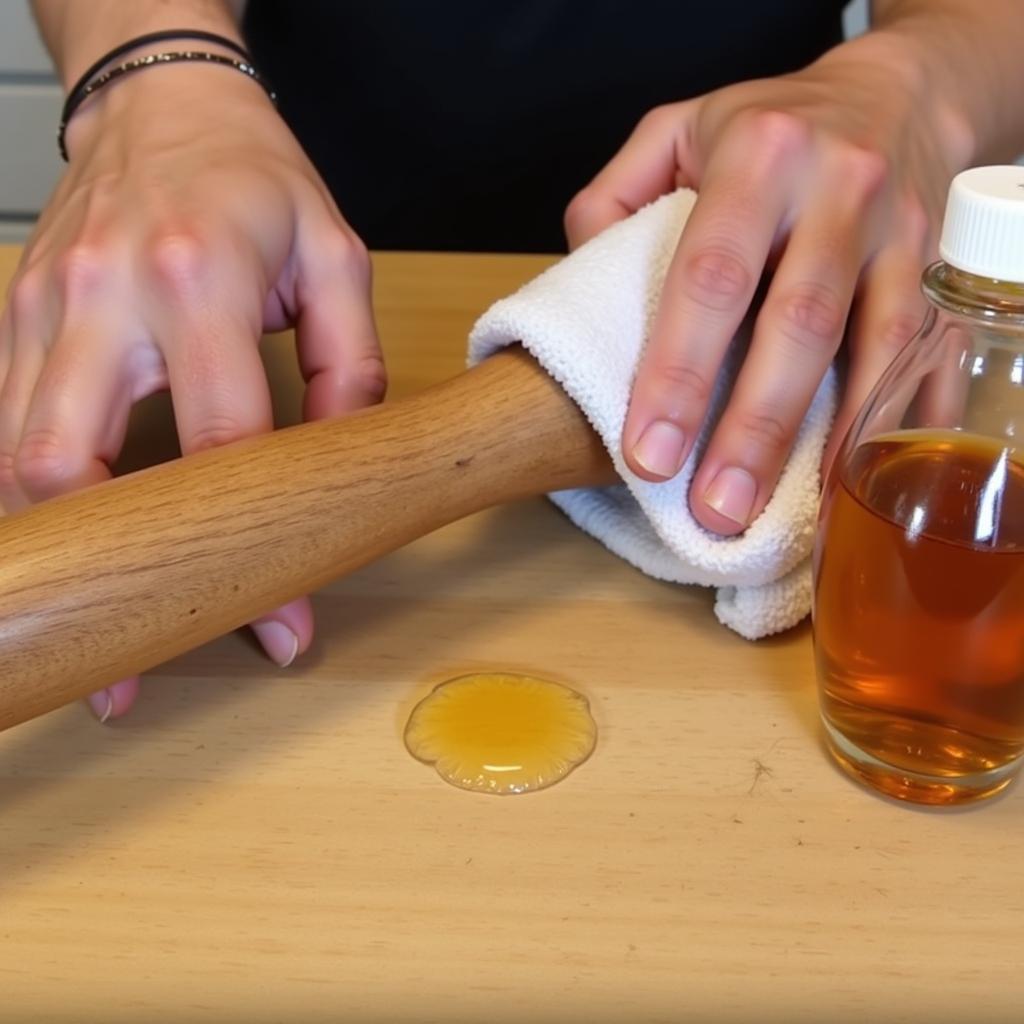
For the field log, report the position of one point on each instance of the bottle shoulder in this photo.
(996, 303)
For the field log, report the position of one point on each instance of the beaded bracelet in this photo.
(92, 81)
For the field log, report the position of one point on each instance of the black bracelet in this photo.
(91, 80)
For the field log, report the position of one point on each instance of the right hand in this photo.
(188, 222)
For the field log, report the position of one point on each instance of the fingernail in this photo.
(732, 494)
(280, 643)
(660, 449)
(102, 704)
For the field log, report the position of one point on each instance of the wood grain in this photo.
(256, 845)
(117, 578)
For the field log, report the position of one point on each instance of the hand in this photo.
(835, 176)
(188, 222)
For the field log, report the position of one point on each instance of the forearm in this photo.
(969, 58)
(76, 33)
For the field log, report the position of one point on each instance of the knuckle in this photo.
(213, 432)
(862, 169)
(766, 430)
(579, 210)
(357, 254)
(42, 459)
(27, 294)
(916, 223)
(80, 268)
(178, 260)
(896, 330)
(684, 382)
(658, 118)
(813, 317)
(8, 477)
(346, 252)
(776, 131)
(372, 377)
(717, 278)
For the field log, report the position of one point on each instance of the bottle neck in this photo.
(979, 298)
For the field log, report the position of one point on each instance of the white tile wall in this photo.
(855, 17)
(20, 48)
(30, 102)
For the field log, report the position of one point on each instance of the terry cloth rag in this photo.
(586, 320)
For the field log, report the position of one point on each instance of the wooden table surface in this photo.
(255, 844)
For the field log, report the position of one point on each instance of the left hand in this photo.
(836, 176)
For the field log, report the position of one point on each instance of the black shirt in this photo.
(470, 124)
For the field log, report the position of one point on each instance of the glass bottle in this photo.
(919, 562)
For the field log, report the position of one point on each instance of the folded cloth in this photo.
(586, 320)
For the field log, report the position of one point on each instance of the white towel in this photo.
(586, 320)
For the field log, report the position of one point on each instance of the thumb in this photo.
(646, 167)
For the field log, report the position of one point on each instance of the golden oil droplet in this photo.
(501, 733)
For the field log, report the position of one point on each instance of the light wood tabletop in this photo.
(256, 844)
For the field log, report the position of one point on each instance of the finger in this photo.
(220, 395)
(707, 291)
(8, 434)
(205, 318)
(341, 362)
(6, 346)
(73, 430)
(218, 386)
(57, 424)
(27, 365)
(339, 353)
(287, 632)
(78, 415)
(23, 338)
(73, 421)
(115, 700)
(942, 399)
(889, 312)
(797, 334)
(643, 169)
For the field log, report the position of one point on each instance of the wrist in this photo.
(79, 33)
(169, 106)
(118, 63)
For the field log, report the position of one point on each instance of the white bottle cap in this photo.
(983, 232)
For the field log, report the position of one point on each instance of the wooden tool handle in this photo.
(117, 578)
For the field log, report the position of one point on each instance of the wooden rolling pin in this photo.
(117, 578)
